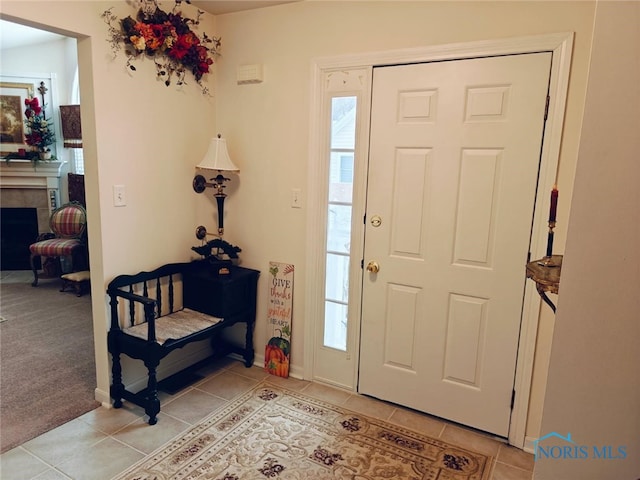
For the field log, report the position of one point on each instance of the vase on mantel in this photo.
(45, 155)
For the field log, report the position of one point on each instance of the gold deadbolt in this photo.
(373, 267)
(376, 221)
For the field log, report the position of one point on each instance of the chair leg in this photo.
(34, 269)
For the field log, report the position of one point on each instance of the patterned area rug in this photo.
(272, 433)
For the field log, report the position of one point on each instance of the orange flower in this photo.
(145, 29)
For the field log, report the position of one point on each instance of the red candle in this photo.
(554, 204)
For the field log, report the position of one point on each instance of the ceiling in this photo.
(14, 35)
(216, 7)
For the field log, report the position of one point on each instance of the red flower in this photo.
(182, 46)
(33, 107)
(33, 138)
(203, 67)
(202, 53)
(159, 29)
(32, 102)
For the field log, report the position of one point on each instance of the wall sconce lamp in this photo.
(217, 159)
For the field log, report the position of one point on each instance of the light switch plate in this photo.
(296, 198)
(119, 196)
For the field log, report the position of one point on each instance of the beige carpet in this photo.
(272, 433)
(47, 366)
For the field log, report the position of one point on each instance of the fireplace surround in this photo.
(18, 228)
(25, 185)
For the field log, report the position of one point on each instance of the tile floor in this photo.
(104, 442)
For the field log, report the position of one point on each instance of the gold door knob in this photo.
(373, 267)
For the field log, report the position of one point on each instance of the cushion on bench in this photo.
(175, 325)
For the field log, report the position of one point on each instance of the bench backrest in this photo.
(164, 285)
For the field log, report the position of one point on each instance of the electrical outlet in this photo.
(119, 196)
(296, 198)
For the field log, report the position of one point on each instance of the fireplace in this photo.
(19, 229)
(27, 190)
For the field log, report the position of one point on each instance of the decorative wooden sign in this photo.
(278, 348)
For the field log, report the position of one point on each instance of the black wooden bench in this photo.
(156, 312)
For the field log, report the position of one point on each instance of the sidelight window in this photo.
(339, 213)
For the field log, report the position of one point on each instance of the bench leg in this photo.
(153, 402)
(117, 387)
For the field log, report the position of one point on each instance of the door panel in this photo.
(473, 239)
(453, 167)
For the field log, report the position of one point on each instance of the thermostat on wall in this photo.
(250, 74)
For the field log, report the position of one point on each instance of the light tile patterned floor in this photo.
(104, 442)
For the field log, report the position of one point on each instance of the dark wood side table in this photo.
(231, 296)
(546, 274)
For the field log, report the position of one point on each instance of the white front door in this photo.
(454, 156)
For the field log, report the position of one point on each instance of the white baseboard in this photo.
(528, 444)
(168, 368)
(103, 397)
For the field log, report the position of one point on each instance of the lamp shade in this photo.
(217, 157)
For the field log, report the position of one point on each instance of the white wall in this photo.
(593, 389)
(138, 133)
(148, 137)
(59, 59)
(267, 124)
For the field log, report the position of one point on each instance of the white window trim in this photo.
(561, 45)
(338, 82)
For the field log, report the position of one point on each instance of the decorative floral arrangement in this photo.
(165, 37)
(41, 133)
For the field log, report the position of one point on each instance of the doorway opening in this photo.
(46, 301)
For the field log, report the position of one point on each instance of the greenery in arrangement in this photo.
(167, 38)
(40, 129)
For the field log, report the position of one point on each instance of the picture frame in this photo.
(12, 128)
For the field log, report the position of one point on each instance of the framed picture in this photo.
(12, 97)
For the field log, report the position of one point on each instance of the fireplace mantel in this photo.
(27, 174)
(20, 180)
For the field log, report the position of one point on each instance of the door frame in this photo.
(561, 45)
